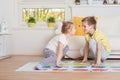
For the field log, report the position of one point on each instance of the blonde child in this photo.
(97, 45)
(57, 46)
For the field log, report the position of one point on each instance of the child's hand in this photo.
(96, 64)
(59, 66)
(84, 60)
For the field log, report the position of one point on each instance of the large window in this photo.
(41, 14)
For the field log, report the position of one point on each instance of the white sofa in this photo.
(110, 26)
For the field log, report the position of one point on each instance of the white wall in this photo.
(7, 13)
(28, 41)
(31, 41)
(1, 10)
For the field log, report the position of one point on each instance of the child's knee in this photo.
(66, 48)
(105, 54)
(104, 57)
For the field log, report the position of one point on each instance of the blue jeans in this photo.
(93, 51)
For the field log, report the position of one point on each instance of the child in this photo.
(57, 46)
(97, 45)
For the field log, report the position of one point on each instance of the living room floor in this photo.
(9, 65)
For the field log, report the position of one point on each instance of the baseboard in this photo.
(32, 53)
(4, 57)
(113, 58)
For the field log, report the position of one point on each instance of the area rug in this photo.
(73, 66)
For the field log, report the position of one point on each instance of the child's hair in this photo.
(90, 21)
(66, 25)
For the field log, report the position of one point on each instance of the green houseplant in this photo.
(51, 21)
(31, 21)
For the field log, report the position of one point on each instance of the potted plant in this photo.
(31, 21)
(51, 21)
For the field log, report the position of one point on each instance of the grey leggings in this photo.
(51, 57)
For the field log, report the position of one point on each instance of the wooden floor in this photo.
(8, 67)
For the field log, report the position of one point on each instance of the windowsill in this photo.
(33, 28)
(38, 26)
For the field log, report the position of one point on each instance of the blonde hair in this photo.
(90, 21)
(66, 25)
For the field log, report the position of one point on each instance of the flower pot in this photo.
(51, 24)
(31, 24)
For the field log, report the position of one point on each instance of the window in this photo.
(41, 14)
(41, 11)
